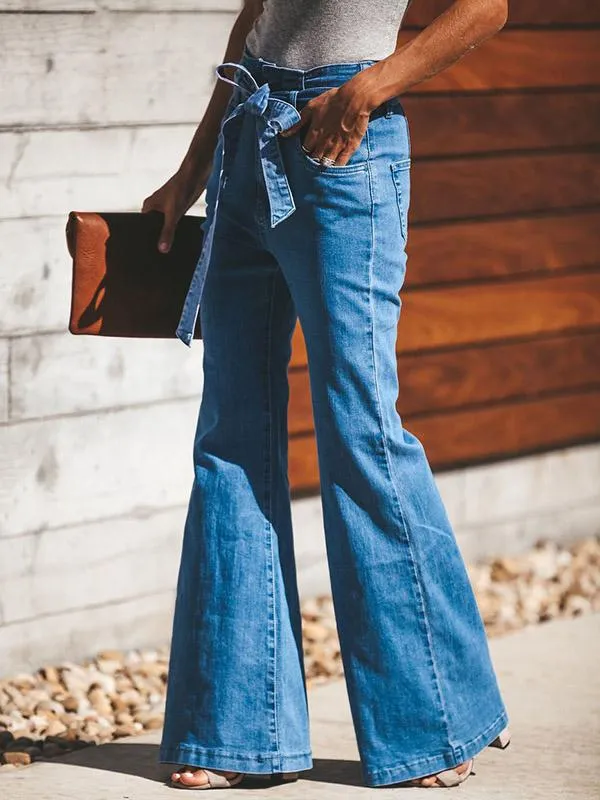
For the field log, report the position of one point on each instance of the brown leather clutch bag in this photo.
(121, 284)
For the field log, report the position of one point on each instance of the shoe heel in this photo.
(277, 778)
(502, 740)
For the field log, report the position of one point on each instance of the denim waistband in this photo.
(282, 78)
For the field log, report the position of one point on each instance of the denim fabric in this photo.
(288, 238)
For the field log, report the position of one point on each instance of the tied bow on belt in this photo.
(272, 115)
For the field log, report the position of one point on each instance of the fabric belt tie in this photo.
(271, 115)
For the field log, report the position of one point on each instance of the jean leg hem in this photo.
(258, 763)
(431, 764)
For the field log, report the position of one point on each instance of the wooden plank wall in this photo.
(499, 336)
(98, 103)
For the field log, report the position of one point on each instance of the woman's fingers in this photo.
(340, 147)
(149, 204)
(318, 142)
(316, 145)
(344, 153)
(338, 151)
(165, 240)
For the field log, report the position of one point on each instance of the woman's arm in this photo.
(182, 190)
(205, 138)
(338, 118)
(461, 28)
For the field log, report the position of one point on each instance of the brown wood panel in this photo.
(455, 316)
(457, 438)
(303, 468)
(522, 59)
(434, 382)
(521, 12)
(461, 315)
(509, 429)
(431, 382)
(501, 248)
(476, 123)
(503, 185)
(300, 415)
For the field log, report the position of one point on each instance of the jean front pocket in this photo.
(401, 177)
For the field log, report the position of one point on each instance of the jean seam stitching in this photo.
(272, 612)
(399, 198)
(416, 573)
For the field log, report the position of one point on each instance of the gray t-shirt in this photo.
(306, 33)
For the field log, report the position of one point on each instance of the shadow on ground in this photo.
(141, 760)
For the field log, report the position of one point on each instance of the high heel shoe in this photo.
(451, 777)
(216, 781)
(445, 778)
(502, 740)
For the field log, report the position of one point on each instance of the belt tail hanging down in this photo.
(272, 115)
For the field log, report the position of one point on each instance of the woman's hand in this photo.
(337, 121)
(175, 197)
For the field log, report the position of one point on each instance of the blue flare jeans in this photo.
(287, 238)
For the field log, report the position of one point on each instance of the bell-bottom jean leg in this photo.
(236, 696)
(421, 686)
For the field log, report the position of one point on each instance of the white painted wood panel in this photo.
(501, 492)
(173, 5)
(562, 525)
(108, 68)
(99, 170)
(70, 470)
(4, 385)
(89, 565)
(47, 6)
(35, 275)
(142, 622)
(64, 374)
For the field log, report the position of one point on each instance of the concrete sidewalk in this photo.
(550, 677)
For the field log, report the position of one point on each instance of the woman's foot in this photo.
(196, 776)
(448, 777)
